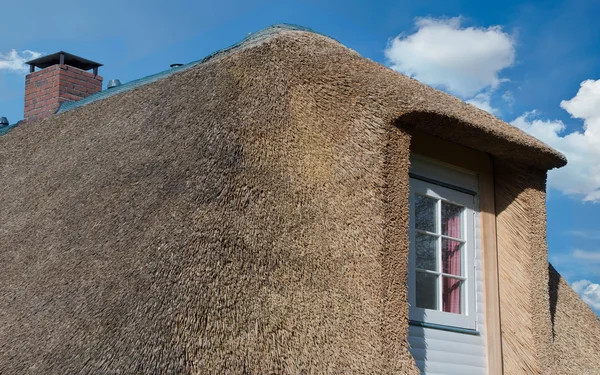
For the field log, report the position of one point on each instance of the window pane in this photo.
(451, 259)
(425, 213)
(451, 295)
(451, 220)
(426, 290)
(425, 246)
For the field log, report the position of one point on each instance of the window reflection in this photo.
(425, 213)
(427, 291)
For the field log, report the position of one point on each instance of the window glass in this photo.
(427, 290)
(451, 295)
(426, 251)
(452, 220)
(451, 257)
(425, 209)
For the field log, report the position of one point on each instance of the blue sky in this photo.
(523, 61)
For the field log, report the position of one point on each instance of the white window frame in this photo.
(447, 183)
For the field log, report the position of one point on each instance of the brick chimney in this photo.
(62, 77)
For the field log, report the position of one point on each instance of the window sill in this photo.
(446, 328)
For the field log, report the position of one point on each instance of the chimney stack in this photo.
(62, 77)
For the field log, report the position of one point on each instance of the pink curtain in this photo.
(451, 264)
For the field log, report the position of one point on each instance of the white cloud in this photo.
(482, 101)
(586, 104)
(581, 176)
(462, 60)
(589, 292)
(14, 61)
(508, 98)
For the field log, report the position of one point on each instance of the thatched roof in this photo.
(226, 216)
(575, 330)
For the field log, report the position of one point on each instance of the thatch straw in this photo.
(546, 328)
(519, 276)
(233, 218)
(575, 331)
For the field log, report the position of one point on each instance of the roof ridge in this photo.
(257, 36)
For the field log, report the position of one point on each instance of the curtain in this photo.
(451, 263)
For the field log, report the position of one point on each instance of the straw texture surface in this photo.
(521, 252)
(575, 331)
(546, 327)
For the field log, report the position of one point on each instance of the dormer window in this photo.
(442, 261)
(445, 273)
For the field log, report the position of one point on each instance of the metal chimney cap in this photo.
(113, 83)
(176, 65)
(3, 122)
